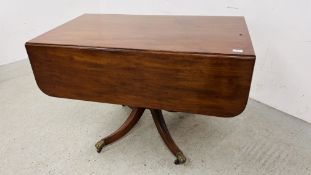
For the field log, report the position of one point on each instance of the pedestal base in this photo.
(130, 123)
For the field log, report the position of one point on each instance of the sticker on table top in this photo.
(237, 50)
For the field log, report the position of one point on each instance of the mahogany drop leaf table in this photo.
(194, 64)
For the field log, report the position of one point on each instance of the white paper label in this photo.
(237, 50)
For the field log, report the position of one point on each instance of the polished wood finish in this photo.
(191, 34)
(132, 121)
(194, 64)
(166, 136)
(124, 129)
(175, 63)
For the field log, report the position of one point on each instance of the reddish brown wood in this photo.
(166, 136)
(190, 34)
(124, 129)
(141, 60)
(131, 122)
(195, 64)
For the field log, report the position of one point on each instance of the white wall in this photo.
(280, 30)
(22, 20)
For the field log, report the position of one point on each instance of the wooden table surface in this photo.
(194, 34)
(197, 64)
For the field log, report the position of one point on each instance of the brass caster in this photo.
(99, 145)
(180, 158)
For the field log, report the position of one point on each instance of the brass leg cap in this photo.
(180, 158)
(99, 145)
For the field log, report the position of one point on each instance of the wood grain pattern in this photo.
(166, 136)
(129, 123)
(185, 77)
(195, 34)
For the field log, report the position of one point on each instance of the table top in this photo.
(186, 34)
(195, 64)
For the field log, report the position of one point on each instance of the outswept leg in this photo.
(124, 129)
(165, 134)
